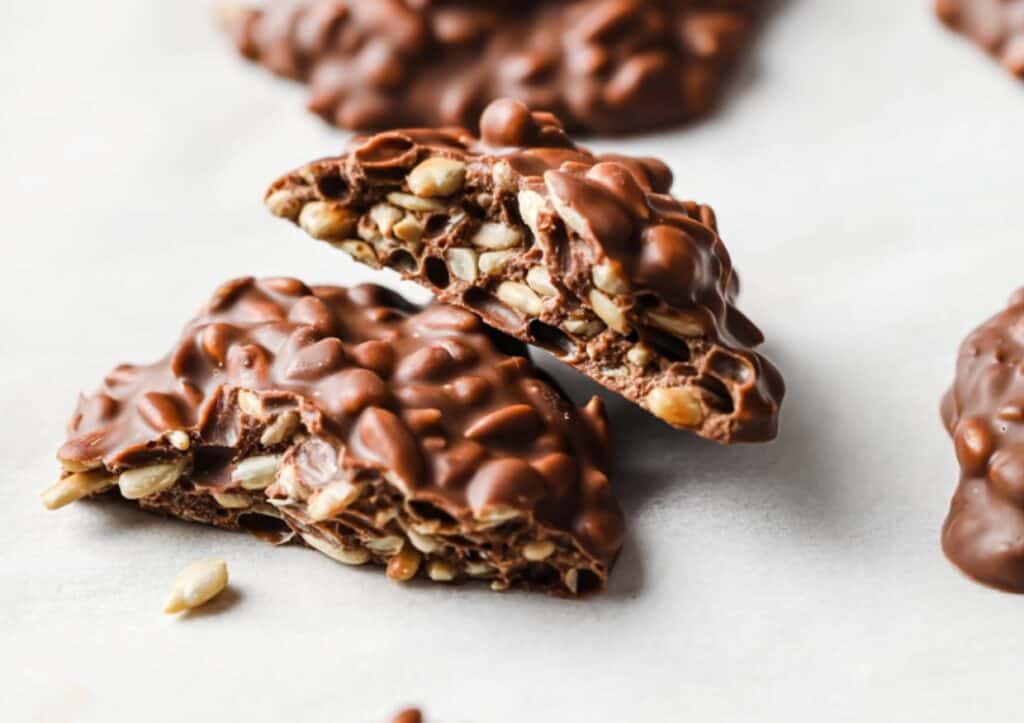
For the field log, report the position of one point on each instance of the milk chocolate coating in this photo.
(984, 412)
(995, 25)
(585, 255)
(607, 66)
(465, 463)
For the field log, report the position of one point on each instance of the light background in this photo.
(868, 173)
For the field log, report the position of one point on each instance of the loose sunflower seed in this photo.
(196, 585)
(256, 473)
(76, 486)
(145, 481)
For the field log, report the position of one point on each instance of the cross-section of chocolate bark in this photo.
(995, 25)
(375, 432)
(587, 256)
(984, 412)
(609, 66)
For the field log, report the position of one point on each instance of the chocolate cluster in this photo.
(370, 430)
(607, 66)
(995, 25)
(585, 255)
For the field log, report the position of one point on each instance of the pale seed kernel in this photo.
(359, 250)
(493, 263)
(520, 297)
(231, 500)
(332, 499)
(145, 481)
(354, 556)
(196, 585)
(249, 403)
(256, 473)
(583, 328)
(384, 217)
(502, 174)
(387, 545)
(608, 277)
(78, 465)
(539, 279)
(409, 229)
(414, 203)
(76, 486)
(608, 311)
(179, 440)
(327, 221)
(496, 236)
(538, 550)
(440, 571)
(572, 581)
(404, 565)
(282, 428)
(639, 356)
(531, 204)
(676, 405)
(423, 542)
(463, 263)
(437, 177)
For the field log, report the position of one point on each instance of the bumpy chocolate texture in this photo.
(585, 255)
(608, 66)
(995, 25)
(984, 412)
(372, 431)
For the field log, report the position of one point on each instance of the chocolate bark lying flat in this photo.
(608, 66)
(585, 255)
(375, 432)
(984, 412)
(995, 25)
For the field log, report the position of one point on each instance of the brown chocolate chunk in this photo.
(984, 412)
(607, 66)
(372, 431)
(587, 256)
(995, 25)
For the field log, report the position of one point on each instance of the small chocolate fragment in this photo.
(409, 715)
(372, 431)
(607, 66)
(995, 25)
(984, 412)
(587, 256)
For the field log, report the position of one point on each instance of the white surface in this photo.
(867, 174)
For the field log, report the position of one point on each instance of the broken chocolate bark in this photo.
(587, 256)
(984, 413)
(607, 66)
(372, 431)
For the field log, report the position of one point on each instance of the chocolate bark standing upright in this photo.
(588, 256)
(995, 25)
(984, 412)
(370, 430)
(607, 66)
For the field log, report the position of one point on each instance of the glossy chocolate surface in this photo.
(606, 66)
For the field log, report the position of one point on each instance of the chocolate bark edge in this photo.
(610, 67)
(587, 256)
(983, 411)
(370, 431)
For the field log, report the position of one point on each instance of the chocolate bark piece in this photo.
(984, 413)
(587, 256)
(372, 431)
(607, 66)
(995, 25)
